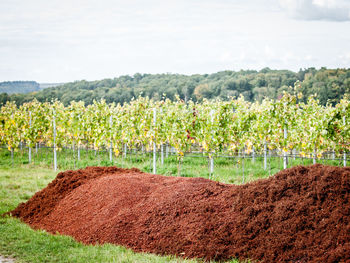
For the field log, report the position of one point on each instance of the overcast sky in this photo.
(64, 40)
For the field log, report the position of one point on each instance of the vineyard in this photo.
(276, 219)
(288, 126)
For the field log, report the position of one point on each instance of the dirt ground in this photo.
(6, 260)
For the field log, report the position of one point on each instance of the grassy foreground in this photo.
(20, 180)
(18, 240)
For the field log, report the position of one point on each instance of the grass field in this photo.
(20, 180)
(26, 245)
(229, 170)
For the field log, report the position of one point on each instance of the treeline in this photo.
(10, 87)
(330, 85)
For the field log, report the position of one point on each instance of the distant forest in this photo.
(330, 85)
(10, 87)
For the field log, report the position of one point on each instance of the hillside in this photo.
(11, 87)
(329, 85)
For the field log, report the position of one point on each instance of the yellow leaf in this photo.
(116, 152)
(205, 146)
(249, 149)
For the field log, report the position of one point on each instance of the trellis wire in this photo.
(211, 159)
(30, 148)
(54, 144)
(285, 157)
(111, 143)
(266, 154)
(154, 143)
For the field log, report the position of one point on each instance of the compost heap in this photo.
(298, 215)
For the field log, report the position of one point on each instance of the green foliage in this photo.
(217, 127)
(328, 84)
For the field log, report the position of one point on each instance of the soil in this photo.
(6, 260)
(301, 214)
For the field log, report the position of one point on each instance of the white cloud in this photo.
(62, 40)
(331, 10)
(308, 58)
(345, 57)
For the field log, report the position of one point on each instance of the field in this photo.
(20, 180)
(160, 161)
(26, 245)
(229, 169)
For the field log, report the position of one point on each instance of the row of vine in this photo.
(215, 126)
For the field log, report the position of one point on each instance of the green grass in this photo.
(18, 240)
(26, 245)
(228, 170)
(20, 180)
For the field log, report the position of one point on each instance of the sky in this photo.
(64, 40)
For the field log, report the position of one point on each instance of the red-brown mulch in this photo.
(298, 215)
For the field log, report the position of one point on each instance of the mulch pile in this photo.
(300, 214)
